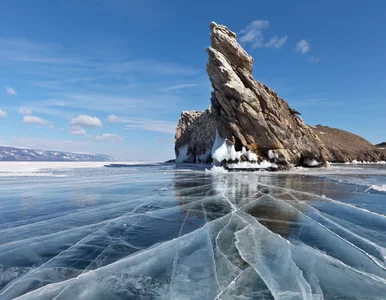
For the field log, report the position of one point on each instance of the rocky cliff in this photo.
(247, 121)
(344, 146)
(382, 148)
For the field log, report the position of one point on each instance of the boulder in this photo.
(247, 122)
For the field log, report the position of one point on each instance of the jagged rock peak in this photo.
(224, 41)
(247, 121)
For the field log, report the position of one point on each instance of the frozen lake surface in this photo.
(84, 231)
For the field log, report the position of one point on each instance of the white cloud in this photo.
(3, 113)
(180, 86)
(77, 130)
(253, 33)
(86, 120)
(303, 47)
(24, 111)
(150, 125)
(276, 42)
(113, 119)
(108, 137)
(11, 91)
(35, 120)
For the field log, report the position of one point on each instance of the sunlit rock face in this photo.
(246, 115)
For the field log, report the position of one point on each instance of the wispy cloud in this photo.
(35, 120)
(24, 50)
(253, 34)
(25, 111)
(150, 68)
(179, 87)
(144, 124)
(276, 42)
(150, 125)
(108, 137)
(86, 120)
(10, 91)
(81, 81)
(113, 119)
(303, 47)
(3, 113)
(77, 130)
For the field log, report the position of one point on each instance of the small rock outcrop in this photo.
(344, 146)
(381, 147)
(247, 121)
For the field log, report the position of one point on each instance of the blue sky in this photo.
(113, 76)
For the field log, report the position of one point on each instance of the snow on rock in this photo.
(311, 163)
(221, 150)
(379, 188)
(182, 155)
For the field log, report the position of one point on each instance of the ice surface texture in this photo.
(156, 232)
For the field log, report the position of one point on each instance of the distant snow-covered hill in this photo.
(23, 154)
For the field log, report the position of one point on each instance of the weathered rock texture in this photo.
(196, 130)
(345, 146)
(244, 112)
(382, 148)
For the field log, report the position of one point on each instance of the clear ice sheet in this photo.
(161, 232)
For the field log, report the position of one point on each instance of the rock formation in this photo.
(345, 146)
(381, 147)
(247, 121)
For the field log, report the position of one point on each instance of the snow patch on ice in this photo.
(356, 162)
(248, 165)
(216, 170)
(311, 162)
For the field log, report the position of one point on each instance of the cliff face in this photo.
(247, 121)
(382, 148)
(345, 146)
(195, 135)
